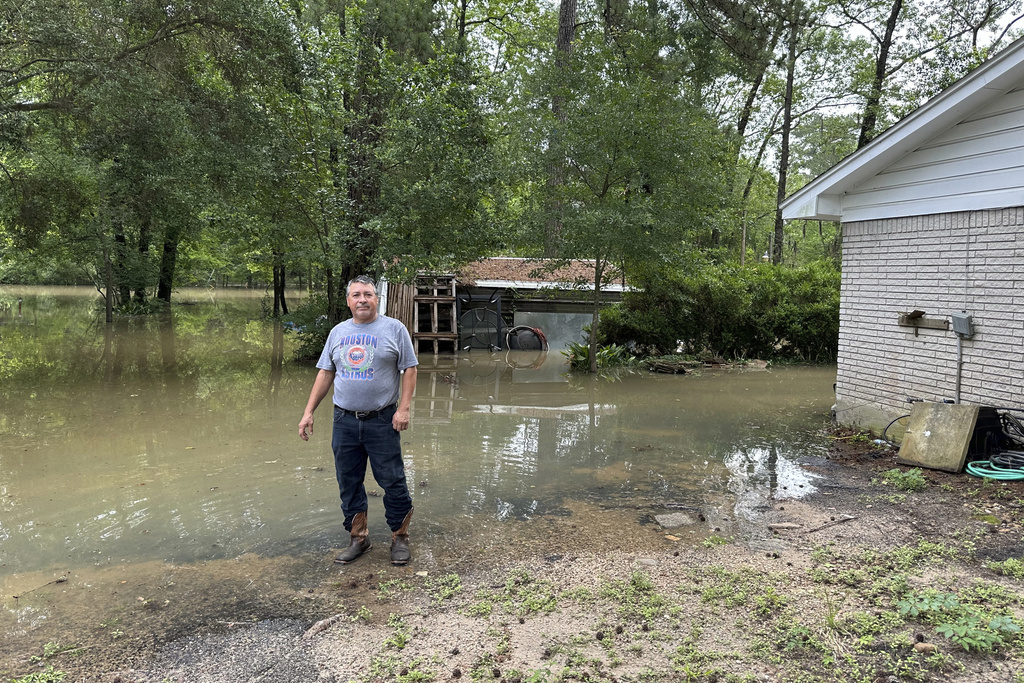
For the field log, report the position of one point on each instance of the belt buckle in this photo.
(362, 414)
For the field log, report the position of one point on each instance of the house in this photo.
(932, 215)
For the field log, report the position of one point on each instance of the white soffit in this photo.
(822, 197)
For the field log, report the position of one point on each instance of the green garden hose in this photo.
(987, 470)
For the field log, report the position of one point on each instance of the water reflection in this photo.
(173, 438)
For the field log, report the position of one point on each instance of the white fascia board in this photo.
(975, 201)
(989, 81)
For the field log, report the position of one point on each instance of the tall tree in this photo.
(899, 34)
(564, 41)
(797, 17)
(151, 108)
(642, 171)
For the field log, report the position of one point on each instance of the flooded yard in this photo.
(158, 458)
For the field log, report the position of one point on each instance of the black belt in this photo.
(365, 414)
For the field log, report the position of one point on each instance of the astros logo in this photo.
(358, 357)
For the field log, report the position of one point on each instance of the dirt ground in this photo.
(858, 581)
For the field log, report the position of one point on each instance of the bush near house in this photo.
(769, 312)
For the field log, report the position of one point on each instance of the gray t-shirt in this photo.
(366, 360)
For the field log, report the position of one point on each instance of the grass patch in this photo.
(444, 588)
(1010, 567)
(911, 480)
(638, 598)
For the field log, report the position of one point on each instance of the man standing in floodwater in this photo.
(370, 362)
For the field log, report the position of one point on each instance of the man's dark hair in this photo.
(364, 279)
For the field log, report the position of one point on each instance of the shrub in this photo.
(310, 323)
(765, 311)
(609, 356)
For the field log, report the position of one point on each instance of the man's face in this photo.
(362, 301)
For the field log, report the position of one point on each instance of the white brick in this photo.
(940, 265)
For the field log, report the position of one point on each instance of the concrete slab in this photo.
(938, 436)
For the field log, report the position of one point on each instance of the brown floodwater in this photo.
(153, 465)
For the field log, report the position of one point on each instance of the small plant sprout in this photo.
(714, 540)
(911, 480)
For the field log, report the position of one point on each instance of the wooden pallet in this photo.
(435, 326)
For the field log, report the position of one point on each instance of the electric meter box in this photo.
(962, 325)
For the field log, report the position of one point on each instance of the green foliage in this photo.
(971, 632)
(638, 598)
(388, 589)
(52, 649)
(971, 626)
(608, 356)
(50, 675)
(235, 141)
(444, 587)
(714, 540)
(400, 635)
(1008, 567)
(311, 325)
(769, 602)
(911, 480)
(136, 140)
(917, 605)
(763, 312)
(522, 595)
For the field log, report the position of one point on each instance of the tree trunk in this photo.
(566, 31)
(556, 166)
(108, 285)
(614, 13)
(595, 314)
(462, 25)
(124, 289)
(870, 120)
(139, 280)
(787, 126)
(364, 174)
(168, 262)
(281, 280)
(278, 267)
(277, 302)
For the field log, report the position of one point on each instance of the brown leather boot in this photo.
(360, 540)
(400, 542)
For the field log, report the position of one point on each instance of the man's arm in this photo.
(401, 419)
(321, 387)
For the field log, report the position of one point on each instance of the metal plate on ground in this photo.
(938, 436)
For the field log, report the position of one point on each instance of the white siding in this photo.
(976, 164)
(971, 261)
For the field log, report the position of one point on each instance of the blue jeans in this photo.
(355, 441)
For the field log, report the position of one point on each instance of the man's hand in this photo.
(306, 423)
(321, 387)
(400, 421)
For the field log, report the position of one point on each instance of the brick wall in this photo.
(940, 264)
